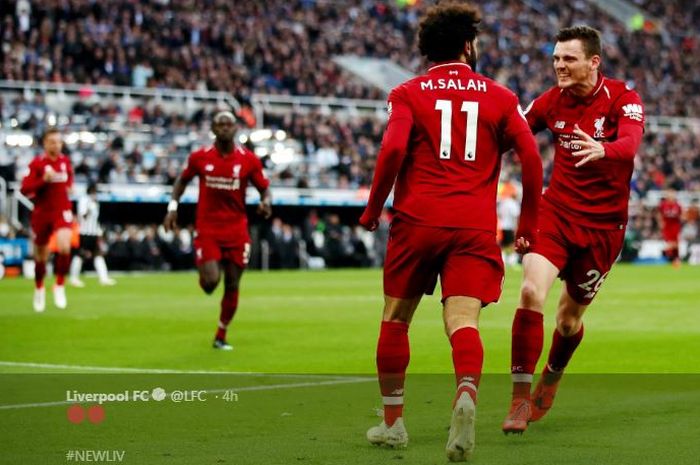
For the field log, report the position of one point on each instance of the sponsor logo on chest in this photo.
(231, 183)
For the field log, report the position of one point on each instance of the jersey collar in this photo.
(448, 65)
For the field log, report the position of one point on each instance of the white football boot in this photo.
(394, 436)
(460, 443)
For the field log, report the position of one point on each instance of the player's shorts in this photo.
(468, 262)
(209, 249)
(44, 225)
(671, 233)
(507, 237)
(89, 243)
(583, 255)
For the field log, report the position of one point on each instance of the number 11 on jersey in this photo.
(472, 111)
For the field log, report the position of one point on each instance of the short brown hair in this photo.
(445, 29)
(48, 132)
(589, 37)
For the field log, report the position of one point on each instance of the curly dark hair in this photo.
(589, 37)
(445, 28)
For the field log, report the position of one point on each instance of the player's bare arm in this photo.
(265, 205)
(170, 220)
(591, 149)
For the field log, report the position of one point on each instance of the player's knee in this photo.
(531, 295)
(208, 284)
(568, 325)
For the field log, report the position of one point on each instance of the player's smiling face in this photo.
(572, 67)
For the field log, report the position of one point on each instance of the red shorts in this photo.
(209, 249)
(583, 255)
(468, 262)
(45, 225)
(671, 233)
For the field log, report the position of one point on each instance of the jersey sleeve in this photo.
(519, 136)
(391, 153)
(514, 121)
(33, 181)
(257, 174)
(535, 114)
(190, 170)
(630, 127)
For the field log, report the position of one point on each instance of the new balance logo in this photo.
(559, 125)
(209, 168)
(388, 109)
(633, 111)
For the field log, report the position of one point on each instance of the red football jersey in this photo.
(670, 211)
(223, 180)
(460, 123)
(49, 197)
(597, 193)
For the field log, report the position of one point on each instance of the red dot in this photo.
(96, 414)
(76, 414)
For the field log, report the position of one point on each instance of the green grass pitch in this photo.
(304, 374)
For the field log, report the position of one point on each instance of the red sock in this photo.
(527, 339)
(62, 263)
(39, 274)
(468, 360)
(229, 304)
(561, 351)
(393, 354)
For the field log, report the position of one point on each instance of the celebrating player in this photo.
(670, 214)
(90, 240)
(222, 240)
(444, 138)
(49, 180)
(597, 125)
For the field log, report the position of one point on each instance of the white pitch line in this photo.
(261, 387)
(161, 371)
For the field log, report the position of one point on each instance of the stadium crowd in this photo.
(281, 46)
(336, 151)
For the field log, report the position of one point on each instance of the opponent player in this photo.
(222, 240)
(670, 214)
(49, 180)
(597, 123)
(90, 240)
(444, 139)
